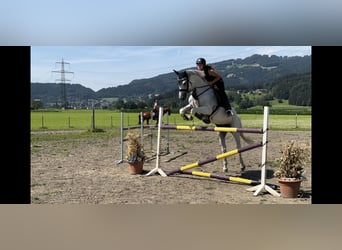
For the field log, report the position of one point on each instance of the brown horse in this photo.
(147, 115)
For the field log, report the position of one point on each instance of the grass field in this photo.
(111, 119)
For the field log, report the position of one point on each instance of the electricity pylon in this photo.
(62, 81)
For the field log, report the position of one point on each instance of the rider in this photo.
(214, 79)
(155, 109)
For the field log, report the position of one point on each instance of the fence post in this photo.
(42, 120)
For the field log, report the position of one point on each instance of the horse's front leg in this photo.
(187, 118)
(202, 113)
(222, 140)
(184, 111)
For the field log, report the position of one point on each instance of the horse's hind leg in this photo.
(238, 145)
(222, 139)
(236, 123)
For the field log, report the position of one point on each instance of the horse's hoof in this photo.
(225, 170)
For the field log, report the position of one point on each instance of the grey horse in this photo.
(202, 103)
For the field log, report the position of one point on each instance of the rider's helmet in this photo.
(201, 61)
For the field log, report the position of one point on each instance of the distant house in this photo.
(260, 91)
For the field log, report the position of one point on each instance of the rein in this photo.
(194, 92)
(196, 96)
(185, 80)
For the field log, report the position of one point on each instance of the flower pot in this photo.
(289, 187)
(136, 167)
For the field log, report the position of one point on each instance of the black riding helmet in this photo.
(201, 61)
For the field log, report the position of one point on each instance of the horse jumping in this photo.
(148, 115)
(203, 104)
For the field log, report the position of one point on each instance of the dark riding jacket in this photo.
(223, 98)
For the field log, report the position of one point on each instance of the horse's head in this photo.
(183, 84)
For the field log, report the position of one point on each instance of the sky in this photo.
(98, 67)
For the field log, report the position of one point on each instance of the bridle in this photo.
(185, 80)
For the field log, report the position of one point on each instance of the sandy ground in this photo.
(86, 171)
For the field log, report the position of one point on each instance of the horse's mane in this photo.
(198, 73)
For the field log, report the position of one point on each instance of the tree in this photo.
(120, 104)
(300, 95)
(36, 104)
(246, 103)
(130, 105)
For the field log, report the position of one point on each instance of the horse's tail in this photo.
(246, 138)
(237, 123)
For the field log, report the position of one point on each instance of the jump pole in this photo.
(141, 130)
(168, 134)
(217, 157)
(157, 169)
(121, 139)
(263, 186)
(216, 129)
(226, 178)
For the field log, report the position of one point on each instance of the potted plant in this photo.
(135, 153)
(291, 168)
